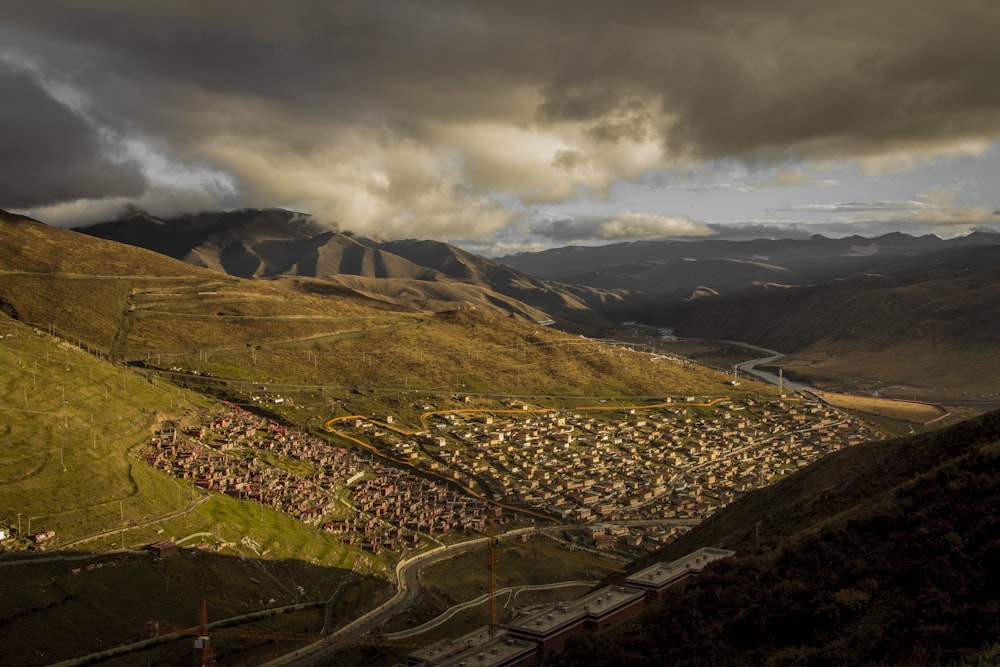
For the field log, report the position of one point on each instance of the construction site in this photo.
(537, 633)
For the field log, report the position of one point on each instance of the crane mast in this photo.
(491, 563)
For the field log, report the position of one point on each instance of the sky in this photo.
(509, 126)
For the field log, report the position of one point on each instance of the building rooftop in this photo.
(661, 574)
(503, 650)
(594, 605)
(478, 651)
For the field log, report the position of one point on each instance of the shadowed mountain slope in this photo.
(961, 307)
(672, 270)
(255, 243)
(32, 246)
(933, 334)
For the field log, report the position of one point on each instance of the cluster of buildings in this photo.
(398, 508)
(674, 461)
(671, 463)
(232, 455)
(375, 507)
(605, 468)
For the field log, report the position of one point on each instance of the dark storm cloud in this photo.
(48, 153)
(777, 79)
(412, 117)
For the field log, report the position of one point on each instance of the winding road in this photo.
(407, 590)
(750, 367)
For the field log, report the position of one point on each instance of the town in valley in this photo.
(633, 477)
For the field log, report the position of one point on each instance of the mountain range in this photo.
(255, 243)
(949, 319)
(126, 302)
(674, 270)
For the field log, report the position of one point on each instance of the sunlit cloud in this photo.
(624, 226)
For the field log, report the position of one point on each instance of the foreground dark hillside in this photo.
(884, 554)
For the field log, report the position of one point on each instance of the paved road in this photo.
(749, 367)
(510, 591)
(407, 590)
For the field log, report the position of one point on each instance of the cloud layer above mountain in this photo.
(462, 119)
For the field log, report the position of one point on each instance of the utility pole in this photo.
(491, 563)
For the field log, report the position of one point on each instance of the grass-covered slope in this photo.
(72, 431)
(133, 304)
(463, 352)
(883, 554)
(80, 285)
(67, 423)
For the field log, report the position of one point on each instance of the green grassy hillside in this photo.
(71, 427)
(68, 422)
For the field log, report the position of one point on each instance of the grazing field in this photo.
(905, 411)
(68, 422)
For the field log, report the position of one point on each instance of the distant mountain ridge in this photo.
(255, 243)
(267, 243)
(907, 315)
(673, 270)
